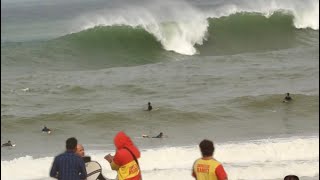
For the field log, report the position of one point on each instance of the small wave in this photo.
(275, 100)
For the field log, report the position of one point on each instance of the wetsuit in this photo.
(7, 144)
(159, 136)
(288, 98)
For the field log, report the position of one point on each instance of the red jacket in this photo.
(128, 169)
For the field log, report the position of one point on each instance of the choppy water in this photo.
(211, 69)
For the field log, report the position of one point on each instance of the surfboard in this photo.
(147, 136)
(48, 132)
(93, 170)
(13, 145)
(155, 109)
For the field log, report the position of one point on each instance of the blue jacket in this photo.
(68, 166)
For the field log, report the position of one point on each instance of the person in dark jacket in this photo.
(68, 165)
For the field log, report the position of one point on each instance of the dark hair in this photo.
(291, 177)
(71, 143)
(206, 147)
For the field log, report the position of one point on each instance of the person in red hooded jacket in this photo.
(125, 160)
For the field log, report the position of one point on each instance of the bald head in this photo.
(80, 150)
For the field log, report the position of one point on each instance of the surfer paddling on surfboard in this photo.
(158, 136)
(47, 130)
(8, 144)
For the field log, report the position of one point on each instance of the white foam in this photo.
(179, 26)
(306, 13)
(25, 89)
(179, 33)
(260, 159)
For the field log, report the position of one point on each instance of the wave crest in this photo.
(240, 32)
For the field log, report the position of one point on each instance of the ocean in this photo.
(212, 69)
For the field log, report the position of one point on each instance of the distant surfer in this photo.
(159, 135)
(47, 130)
(7, 144)
(149, 106)
(287, 98)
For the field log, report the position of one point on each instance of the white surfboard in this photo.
(93, 170)
(13, 145)
(48, 132)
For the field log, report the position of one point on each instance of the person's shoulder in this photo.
(80, 159)
(218, 163)
(59, 156)
(76, 156)
(86, 159)
(122, 151)
(67, 154)
(198, 159)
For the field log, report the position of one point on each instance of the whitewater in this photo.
(265, 158)
(181, 31)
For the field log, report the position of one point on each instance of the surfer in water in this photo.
(7, 144)
(149, 106)
(47, 130)
(287, 98)
(159, 135)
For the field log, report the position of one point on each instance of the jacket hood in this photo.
(122, 140)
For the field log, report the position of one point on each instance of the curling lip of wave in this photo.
(222, 34)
